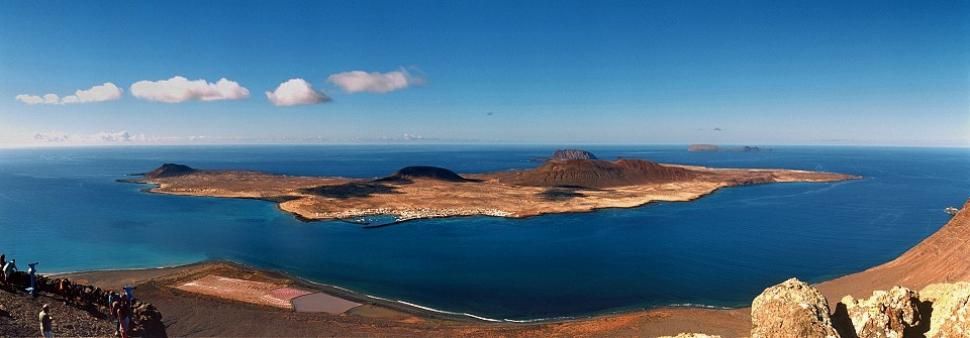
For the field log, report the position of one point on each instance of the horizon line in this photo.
(562, 144)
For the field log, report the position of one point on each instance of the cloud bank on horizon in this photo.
(101, 137)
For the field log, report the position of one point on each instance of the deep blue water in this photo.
(62, 207)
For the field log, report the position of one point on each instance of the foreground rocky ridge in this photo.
(794, 309)
(939, 310)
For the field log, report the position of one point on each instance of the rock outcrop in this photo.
(886, 314)
(951, 309)
(795, 309)
(691, 335)
(791, 309)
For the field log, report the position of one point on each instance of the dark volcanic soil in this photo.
(413, 172)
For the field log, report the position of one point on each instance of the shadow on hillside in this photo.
(561, 193)
(352, 190)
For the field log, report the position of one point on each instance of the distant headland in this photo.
(571, 180)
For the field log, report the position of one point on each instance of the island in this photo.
(713, 148)
(569, 181)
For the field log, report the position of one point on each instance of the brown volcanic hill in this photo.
(591, 173)
(572, 154)
(427, 172)
(170, 170)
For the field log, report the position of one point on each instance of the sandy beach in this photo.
(194, 314)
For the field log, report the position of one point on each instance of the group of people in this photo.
(118, 306)
(120, 309)
(7, 270)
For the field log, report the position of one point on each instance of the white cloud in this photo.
(105, 92)
(99, 93)
(51, 99)
(296, 92)
(30, 99)
(360, 81)
(179, 89)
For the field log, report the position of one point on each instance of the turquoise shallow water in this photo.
(63, 208)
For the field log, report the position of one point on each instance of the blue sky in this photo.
(640, 72)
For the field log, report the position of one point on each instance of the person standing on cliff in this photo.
(121, 312)
(113, 309)
(124, 316)
(8, 270)
(46, 327)
(3, 262)
(32, 272)
(64, 287)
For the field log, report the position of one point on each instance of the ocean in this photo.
(63, 207)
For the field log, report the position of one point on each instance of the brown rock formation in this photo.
(791, 309)
(691, 335)
(957, 323)
(951, 309)
(885, 314)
